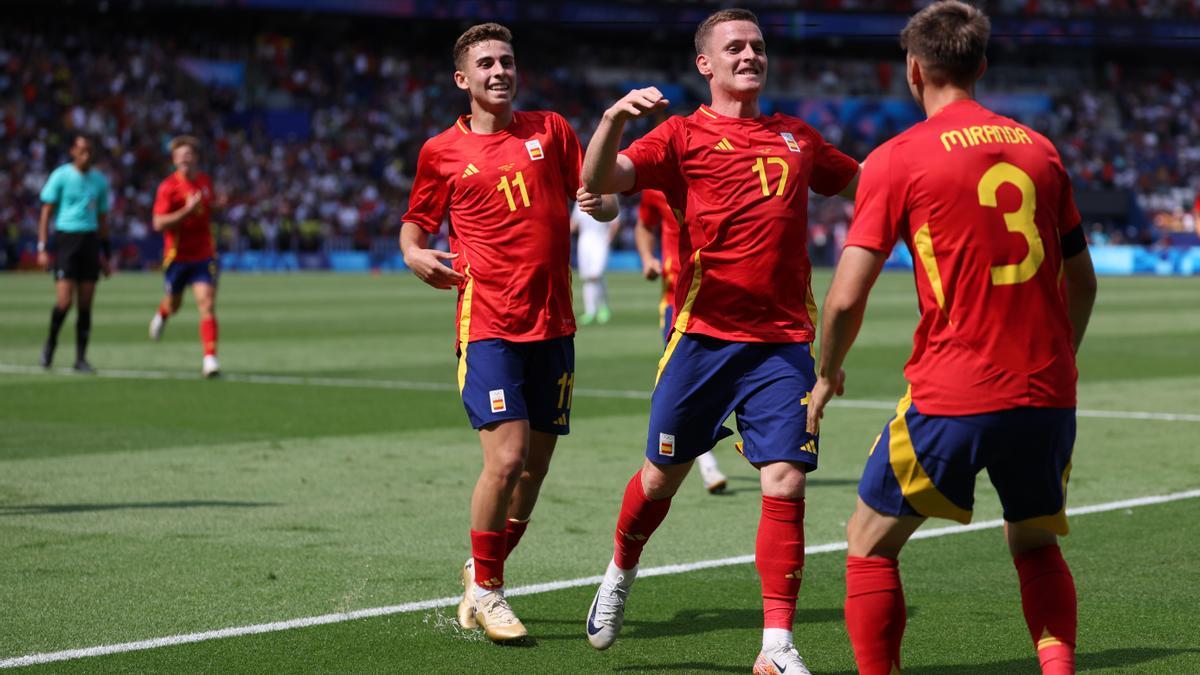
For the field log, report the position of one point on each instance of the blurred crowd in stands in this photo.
(353, 119)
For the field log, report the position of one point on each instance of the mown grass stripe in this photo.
(339, 617)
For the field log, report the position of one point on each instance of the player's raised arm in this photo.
(424, 262)
(605, 171)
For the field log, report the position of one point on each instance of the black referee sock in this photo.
(57, 316)
(83, 330)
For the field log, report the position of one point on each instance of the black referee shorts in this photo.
(77, 256)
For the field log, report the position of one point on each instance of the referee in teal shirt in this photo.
(76, 195)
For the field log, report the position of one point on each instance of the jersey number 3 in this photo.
(1019, 221)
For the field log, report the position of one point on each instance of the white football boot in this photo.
(780, 659)
(210, 368)
(157, 324)
(714, 480)
(608, 607)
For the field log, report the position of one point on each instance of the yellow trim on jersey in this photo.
(916, 485)
(662, 312)
(169, 257)
(1055, 522)
(923, 242)
(704, 109)
(464, 330)
(461, 127)
(810, 304)
(685, 314)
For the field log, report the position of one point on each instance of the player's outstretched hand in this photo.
(637, 103)
(193, 202)
(43, 260)
(821, 395)
(588, 203)
(426, 263)
(651, 268)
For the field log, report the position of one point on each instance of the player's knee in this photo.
(506, 470)
(783, 480)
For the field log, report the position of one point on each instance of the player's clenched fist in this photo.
(637, 103)
(426, 263)
(590, 203)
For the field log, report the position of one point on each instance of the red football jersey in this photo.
(745, 189)
(191, 240)
(982, 202)
(657, 214)
(507, 195)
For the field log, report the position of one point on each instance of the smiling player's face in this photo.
(489, 73)
(736, 58)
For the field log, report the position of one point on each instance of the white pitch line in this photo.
(339, 617)
(412, 385)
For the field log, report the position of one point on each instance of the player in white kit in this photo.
(592, 251)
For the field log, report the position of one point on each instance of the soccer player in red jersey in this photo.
(1005, 288)
(655, 216)
(182, 212)
(506, 179)
(741, 340)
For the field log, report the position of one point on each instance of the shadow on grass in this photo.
(50, 509)
(1125, 658)
(685, 667)
(685, 622)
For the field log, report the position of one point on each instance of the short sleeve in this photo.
(570, 154)
(52, 191)
(102, 201)
(832, 169)
(162, 199)
(655, 157)
(878, 205)
(430, 193)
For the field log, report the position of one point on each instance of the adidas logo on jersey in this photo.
(471, 171)
(723, 145)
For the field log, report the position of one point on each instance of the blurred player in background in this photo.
(986, 208)
(506, 178)
(656, 217)
(182, 212)
(595, 237)
(76, 196)
(741, 340)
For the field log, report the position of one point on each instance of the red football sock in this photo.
(779, 557)
(513, 531)
(164, 308)
(208, 335)
(1048, 600)
(640, 516)
(489, 550)
(875, 613)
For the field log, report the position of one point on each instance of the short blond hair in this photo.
(181, 141)
(725, 15)
(476, 34)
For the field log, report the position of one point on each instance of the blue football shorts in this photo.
(502, 380)
(702, 380)
(925, 465)
(180, 275)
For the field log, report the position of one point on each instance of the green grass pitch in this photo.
(146, 502)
